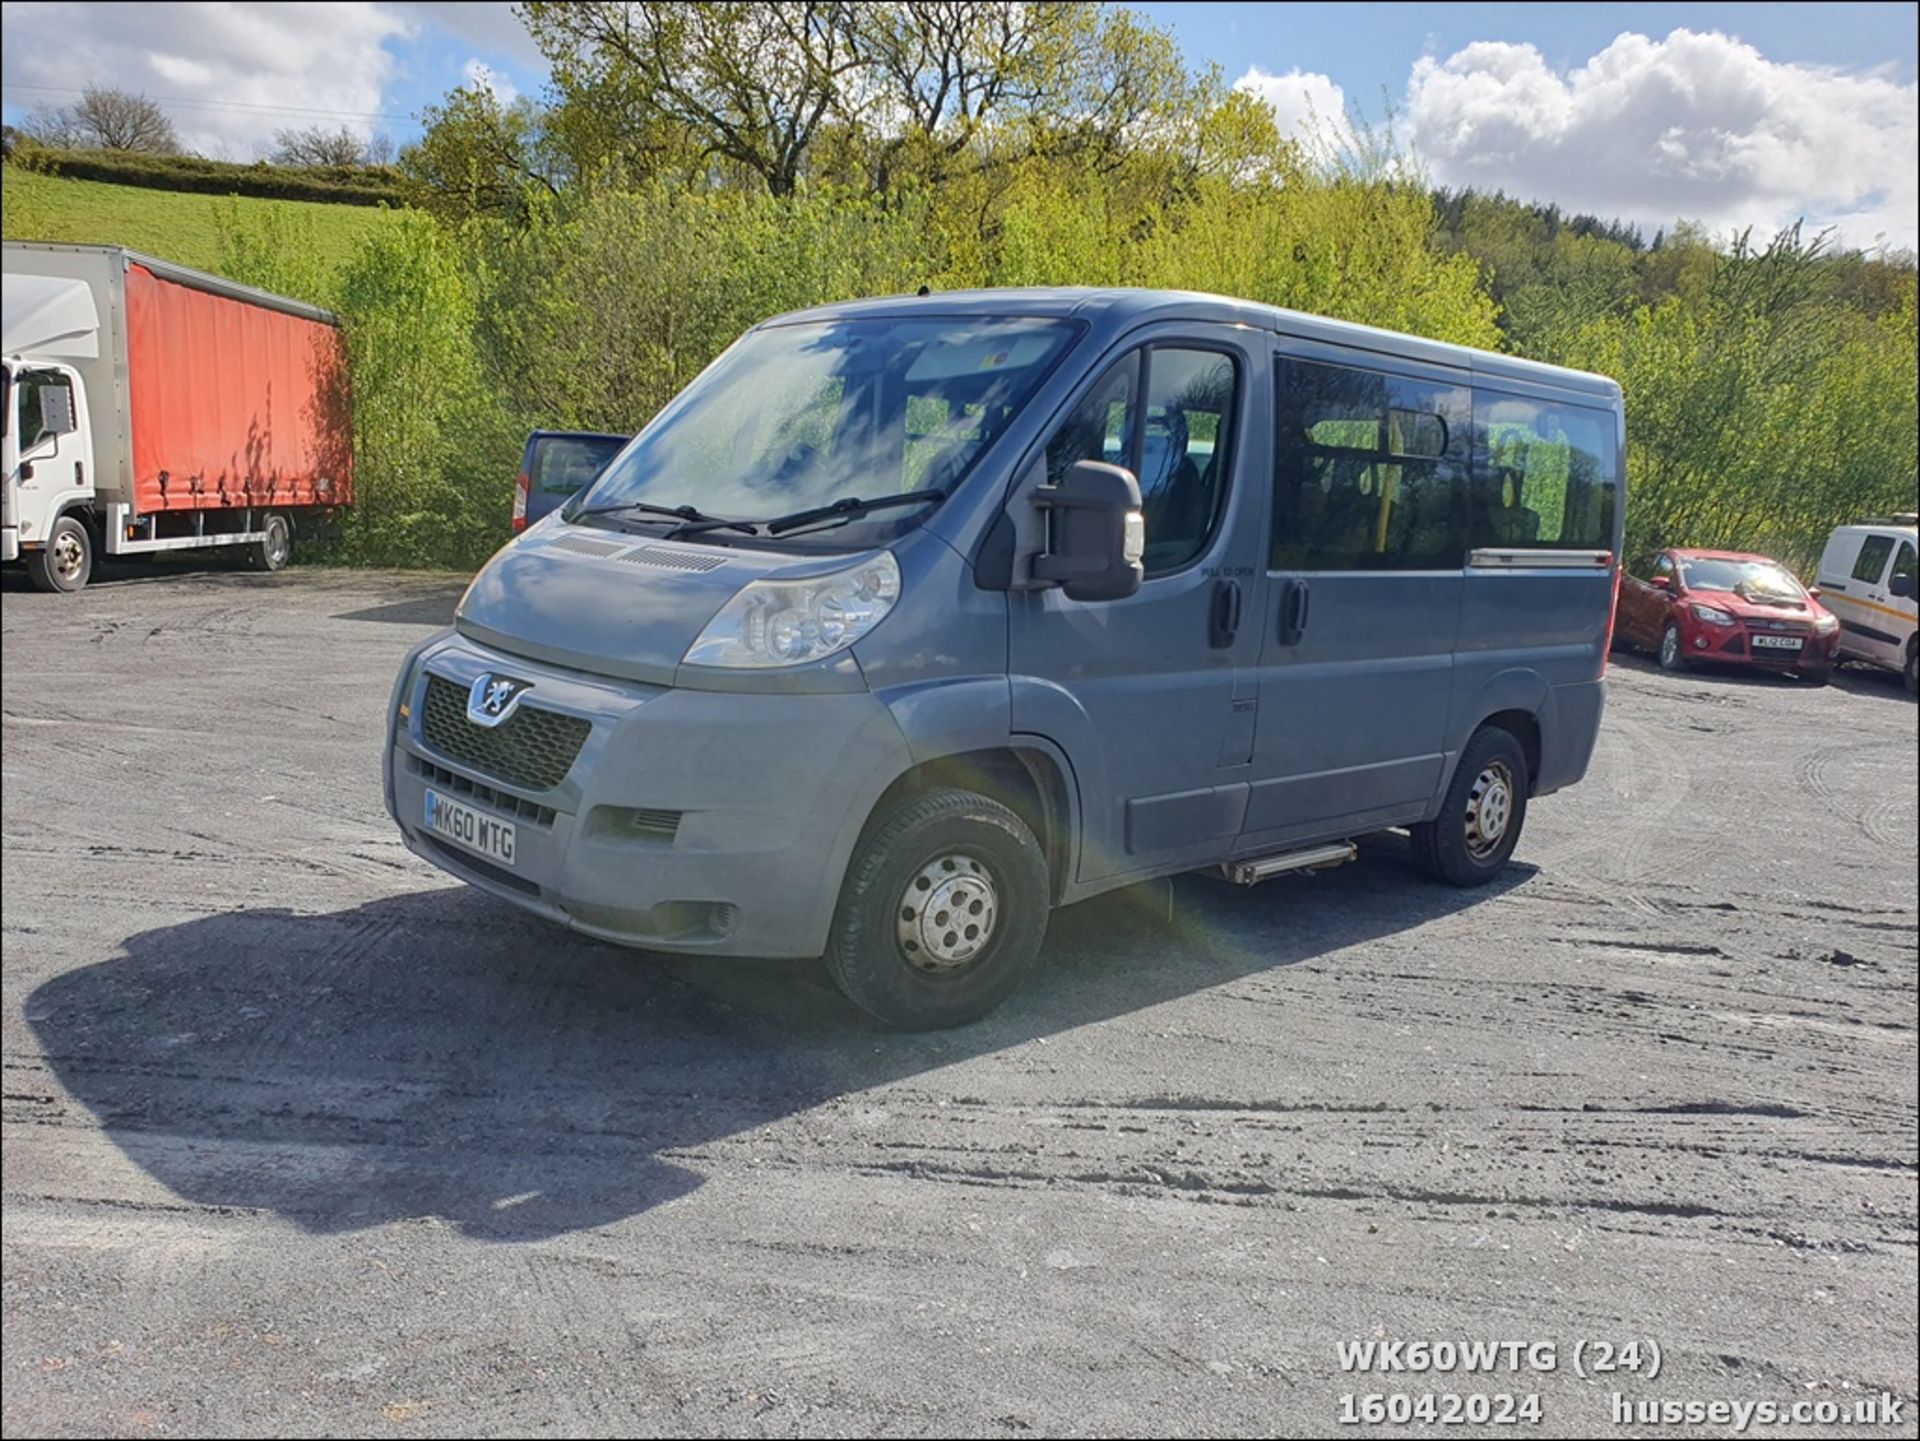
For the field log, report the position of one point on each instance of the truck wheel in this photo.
(275, 548)
(66, 560)
(1673, 655)
(1480, 819)
(942, 912)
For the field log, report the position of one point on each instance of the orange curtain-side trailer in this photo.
(232, 403)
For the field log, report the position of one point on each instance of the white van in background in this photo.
(1867, 579)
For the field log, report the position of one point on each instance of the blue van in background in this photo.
(554, 466)
(912, 618)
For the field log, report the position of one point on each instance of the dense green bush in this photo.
(338, 184)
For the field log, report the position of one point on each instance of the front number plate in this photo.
(474, 830)
(1779, 642)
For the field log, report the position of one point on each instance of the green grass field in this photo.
(170, 224)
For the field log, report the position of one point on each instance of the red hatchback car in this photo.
(1732, 609)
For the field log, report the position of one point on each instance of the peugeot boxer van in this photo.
(910, 619)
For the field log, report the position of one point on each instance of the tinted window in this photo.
(1903, 564)
(1370, 470)
(1184, 452)
(564, 463)
(1545, 474)
(1871, 563)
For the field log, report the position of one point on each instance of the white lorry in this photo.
(151, 407)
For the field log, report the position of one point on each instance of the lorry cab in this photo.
(1867, 579)
(46, 453)
(912, 618)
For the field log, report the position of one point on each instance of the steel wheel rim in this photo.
(946, 913)
(67, 555)
(276, 546)
(1489, 810)
(1669, 646)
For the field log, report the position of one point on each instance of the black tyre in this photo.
(275, 547)
(942, 912)
(1483, 813)
(66, 560)
(1913, 669)
(1673, 655)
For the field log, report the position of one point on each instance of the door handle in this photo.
(1224, 622)
(1295, 605)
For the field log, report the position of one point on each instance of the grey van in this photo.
(911, 618)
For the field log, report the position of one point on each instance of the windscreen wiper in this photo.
(848, 508)
(687, 515)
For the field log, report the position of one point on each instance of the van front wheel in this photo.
(942, 912)
(1480, 820)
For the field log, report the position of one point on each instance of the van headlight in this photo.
(791, 622)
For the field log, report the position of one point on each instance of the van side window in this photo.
(1871, 563)
(1369, 470)
(1545, 475)
(1903, 564)
(1185, 452)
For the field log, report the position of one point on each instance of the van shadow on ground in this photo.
(441, 1055)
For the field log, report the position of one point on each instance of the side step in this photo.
(1249, 872)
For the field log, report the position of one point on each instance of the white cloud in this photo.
(1307, 106)
(482, 76)
(491, 28)
(1695, 126)
(228, 75)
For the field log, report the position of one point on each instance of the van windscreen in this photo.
(797, 416)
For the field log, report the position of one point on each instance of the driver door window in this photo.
(1178, 445)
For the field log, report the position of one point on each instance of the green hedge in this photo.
(334, 185)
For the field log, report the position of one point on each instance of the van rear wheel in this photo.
(942, 912)
(1480, 819)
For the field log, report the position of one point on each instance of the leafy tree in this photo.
(751, 83)
(476, 156)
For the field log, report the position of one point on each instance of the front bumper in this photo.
(9, 543)
(698, 821)
(1745, 645)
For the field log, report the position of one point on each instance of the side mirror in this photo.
(1661, 582)
(1901, 586)
(1098, 534)
(56, 410)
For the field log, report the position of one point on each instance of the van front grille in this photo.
(503, 801)
(532, 748)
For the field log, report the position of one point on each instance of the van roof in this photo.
(1117, 310)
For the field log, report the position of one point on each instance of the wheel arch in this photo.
(1027, 776)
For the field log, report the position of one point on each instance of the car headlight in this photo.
(1712, 615)
(1826, 624)
(790, 622)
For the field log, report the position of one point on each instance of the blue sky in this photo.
(1750, 114)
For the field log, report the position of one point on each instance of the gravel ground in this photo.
(302, 1138)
